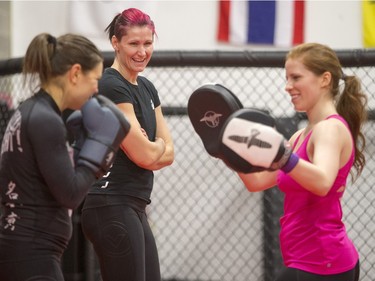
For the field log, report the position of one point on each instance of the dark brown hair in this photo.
(48, 57)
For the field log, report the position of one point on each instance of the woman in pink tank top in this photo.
(313, 238)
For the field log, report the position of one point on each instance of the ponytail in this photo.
(110, 29)
(37, 61)
(351, 105)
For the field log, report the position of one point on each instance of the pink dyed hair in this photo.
(128, 18)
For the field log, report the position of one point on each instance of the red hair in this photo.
(128, 18)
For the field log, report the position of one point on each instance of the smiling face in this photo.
(304, 87)
(134, 50)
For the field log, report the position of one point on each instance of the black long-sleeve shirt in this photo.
(38, 181)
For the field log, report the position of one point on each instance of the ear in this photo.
(115, 43)
(74, 72)
(326, 79)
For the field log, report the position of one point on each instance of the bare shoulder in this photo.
(331, 128)
(331, 125)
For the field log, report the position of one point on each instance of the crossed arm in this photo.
(151, 155)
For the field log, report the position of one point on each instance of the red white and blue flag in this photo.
(270, 22)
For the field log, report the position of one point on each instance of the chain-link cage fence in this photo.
(208, 227)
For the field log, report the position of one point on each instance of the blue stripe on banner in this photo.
(261, 24)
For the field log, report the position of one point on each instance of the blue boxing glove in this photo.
(106, 127)
(74, 124)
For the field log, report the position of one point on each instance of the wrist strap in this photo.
(291, 163)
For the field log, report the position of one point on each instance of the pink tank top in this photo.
(313, 237)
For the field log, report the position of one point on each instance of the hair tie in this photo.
(52, 40)
(344, 76)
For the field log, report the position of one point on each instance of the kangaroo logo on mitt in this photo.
(211, 119)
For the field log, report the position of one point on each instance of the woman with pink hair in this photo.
(113, 216)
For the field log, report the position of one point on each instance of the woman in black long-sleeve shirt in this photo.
(39, 185)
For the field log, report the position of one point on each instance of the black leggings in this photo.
(123, 241)
(292, 274)
(48, 269)
(31, 260)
